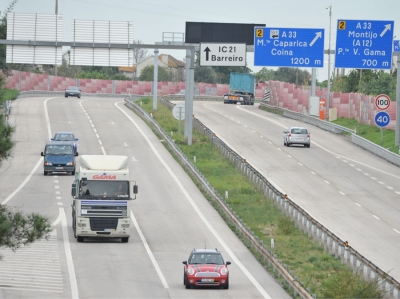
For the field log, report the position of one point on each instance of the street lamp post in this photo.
(329, 60)
(55, 66)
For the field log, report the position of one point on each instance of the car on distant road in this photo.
(297, 135)
(66, 136)
(73, 91)
(206, 267)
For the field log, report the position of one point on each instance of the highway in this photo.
(352, 192)
(170, 216)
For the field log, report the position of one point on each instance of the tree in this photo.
(3, 35)
(265, 74)
(204, 74)
(147, 73)
(224, 72)
(68, 71)
(17, 229)
(6, 143)
(139, 54)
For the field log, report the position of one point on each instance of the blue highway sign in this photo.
(364, 44)
(382, 119)
(396, 45)
(288, 47)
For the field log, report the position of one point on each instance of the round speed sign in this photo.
(382, 102)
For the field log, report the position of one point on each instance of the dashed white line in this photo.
(342, 193)
(367, 174)
(352, 165)
(327, 182)
(373, 178)
(396, 231)
(358, 169)
(100, 142)
(357, 204)
(390, 188)
(376, 217)
(312, 172)
(97, 136)
(300, 164)
(397, 192)
(382, 183)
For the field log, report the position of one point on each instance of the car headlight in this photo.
(224, 271)
(70, 163)
(191, 271)
(47, 163)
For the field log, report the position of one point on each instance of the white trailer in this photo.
(102, 200)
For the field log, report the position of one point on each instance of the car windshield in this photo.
(298, 131)
(206, 258)
(64, 137)
(73, 87)
(59, 150)
(104, 189)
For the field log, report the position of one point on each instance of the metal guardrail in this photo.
(334, 128)
(331, 243)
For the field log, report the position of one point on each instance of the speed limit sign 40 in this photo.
(382, 102)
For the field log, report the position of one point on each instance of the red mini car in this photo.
(206, 267)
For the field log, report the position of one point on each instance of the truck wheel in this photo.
(125, 240)
(45, 172)
(73, 172)
(81, 239)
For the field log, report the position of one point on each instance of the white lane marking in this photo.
(196, 208)
(95, 130)
(152, 258)
(373, 178)
(327, 182)
(100, 142)
(390, 188)
(68, 255)
(97, 136)
(253, 131)
(289, 156)
(56, 187)
(312, 172)
(125, 144)
(358, 169)
(261, 136)
(245, 126)
(352, 165)
(345, 161)
(376, 217)
(24, 182)
(300, 164)
(55, 181)
(57, 192)
(60, 203)
(357, 204)
(58, 197)
(397, 192)
(103, 150)
(342, 193)
(396, 231)
(382, 183)
(92, 125)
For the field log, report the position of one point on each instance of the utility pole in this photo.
(55, 65)
(329, 60)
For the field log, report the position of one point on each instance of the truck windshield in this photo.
(104, 189)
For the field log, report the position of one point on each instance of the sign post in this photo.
(363, 44)
(289, 47)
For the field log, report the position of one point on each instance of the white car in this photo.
(297, 135)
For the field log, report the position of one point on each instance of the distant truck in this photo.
(102, 199)
(241, 89)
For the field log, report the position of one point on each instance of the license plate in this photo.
(207, 280)
(234, 97)
(58, 168)
(109, 230)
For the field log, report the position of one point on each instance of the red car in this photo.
(206, 267)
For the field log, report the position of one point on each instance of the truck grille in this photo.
(100, 224)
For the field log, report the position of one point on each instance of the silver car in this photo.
(297, 135)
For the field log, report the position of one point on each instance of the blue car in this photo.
(66, 136)
(59, 156)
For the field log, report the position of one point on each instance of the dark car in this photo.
(206, 267)
(59, 156)
(73, 91)
(66, 136)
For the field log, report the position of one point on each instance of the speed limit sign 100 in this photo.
(382, 102)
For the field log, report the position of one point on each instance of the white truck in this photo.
(102, 198)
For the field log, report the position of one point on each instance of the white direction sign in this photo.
(179, 112)
(216, 54)
(382, 102)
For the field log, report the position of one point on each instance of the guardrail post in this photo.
(336, 249)
(325, 241)
(354, 264)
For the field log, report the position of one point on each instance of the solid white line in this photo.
(196, 208)
(57, 220)
(152, 258)
(24, 182)
(68, 255)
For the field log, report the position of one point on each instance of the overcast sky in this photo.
(152, 18)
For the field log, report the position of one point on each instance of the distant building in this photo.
(164, 60)
(128, 71)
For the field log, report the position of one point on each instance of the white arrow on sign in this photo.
(387, 27)
(317, 36)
